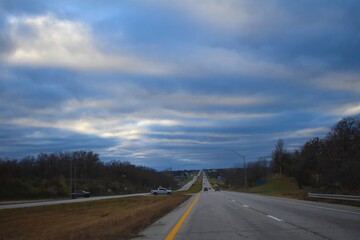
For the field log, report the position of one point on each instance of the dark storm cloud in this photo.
(298, 33)
(324, 31)
(6, 44)
(18, 142)
(23, 6)
(25, 90)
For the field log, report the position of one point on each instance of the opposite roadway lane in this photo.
(232, 215)
(64, 201)
(23, 204)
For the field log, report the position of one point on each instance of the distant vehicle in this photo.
(161, 191)
(80, 193)
(217, 189)
(206, 189)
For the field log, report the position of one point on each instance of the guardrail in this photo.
(334, 196)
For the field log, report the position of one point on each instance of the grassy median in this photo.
(104, 219)
(197, 186)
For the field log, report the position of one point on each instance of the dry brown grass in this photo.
(104, 219)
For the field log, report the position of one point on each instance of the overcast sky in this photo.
(175, 83)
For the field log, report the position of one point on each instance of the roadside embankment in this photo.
(104, 219)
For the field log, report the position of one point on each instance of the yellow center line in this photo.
(182, 219)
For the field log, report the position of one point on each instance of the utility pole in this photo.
(280, 168)
(75, 178)
(70, 178)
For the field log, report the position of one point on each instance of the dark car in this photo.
(205, 189)
(80, 193)
(217, 189)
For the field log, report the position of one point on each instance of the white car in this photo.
(80, 193)
(161, 191)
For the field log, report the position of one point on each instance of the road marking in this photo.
(307, 205)
(275, 218)
(326, 208)
(245, 205)
(173, 232)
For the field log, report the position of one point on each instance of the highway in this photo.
(232, 215)
(23, 204)
(63, 201)
(189, 184)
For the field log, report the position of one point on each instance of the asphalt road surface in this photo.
(23, 204)
(231, 215)
(189, 184)
(53, 202)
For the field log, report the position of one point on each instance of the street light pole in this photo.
(245, 173)
(244, 166)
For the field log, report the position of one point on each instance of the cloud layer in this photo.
(175, 83)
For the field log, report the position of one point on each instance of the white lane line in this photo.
(326, 208)
(307, 205)
(245, 205)
(275, 218)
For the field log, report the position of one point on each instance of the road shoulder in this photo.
(160, 229)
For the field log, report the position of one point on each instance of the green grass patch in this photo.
(188, 179)
(283, 186)
(216, 183)
(197, 186)
(278, 185)
(213, 181)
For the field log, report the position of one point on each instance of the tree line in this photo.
(329, 164)
(253, 174)
(58, 174)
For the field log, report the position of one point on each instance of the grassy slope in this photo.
(287, 187)
(277, 185)
(103, 219)
(274, 186)
(188, 179)
(197, 186)
(214, 182)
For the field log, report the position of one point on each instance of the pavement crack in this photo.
(242, 236)
(309, 230)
